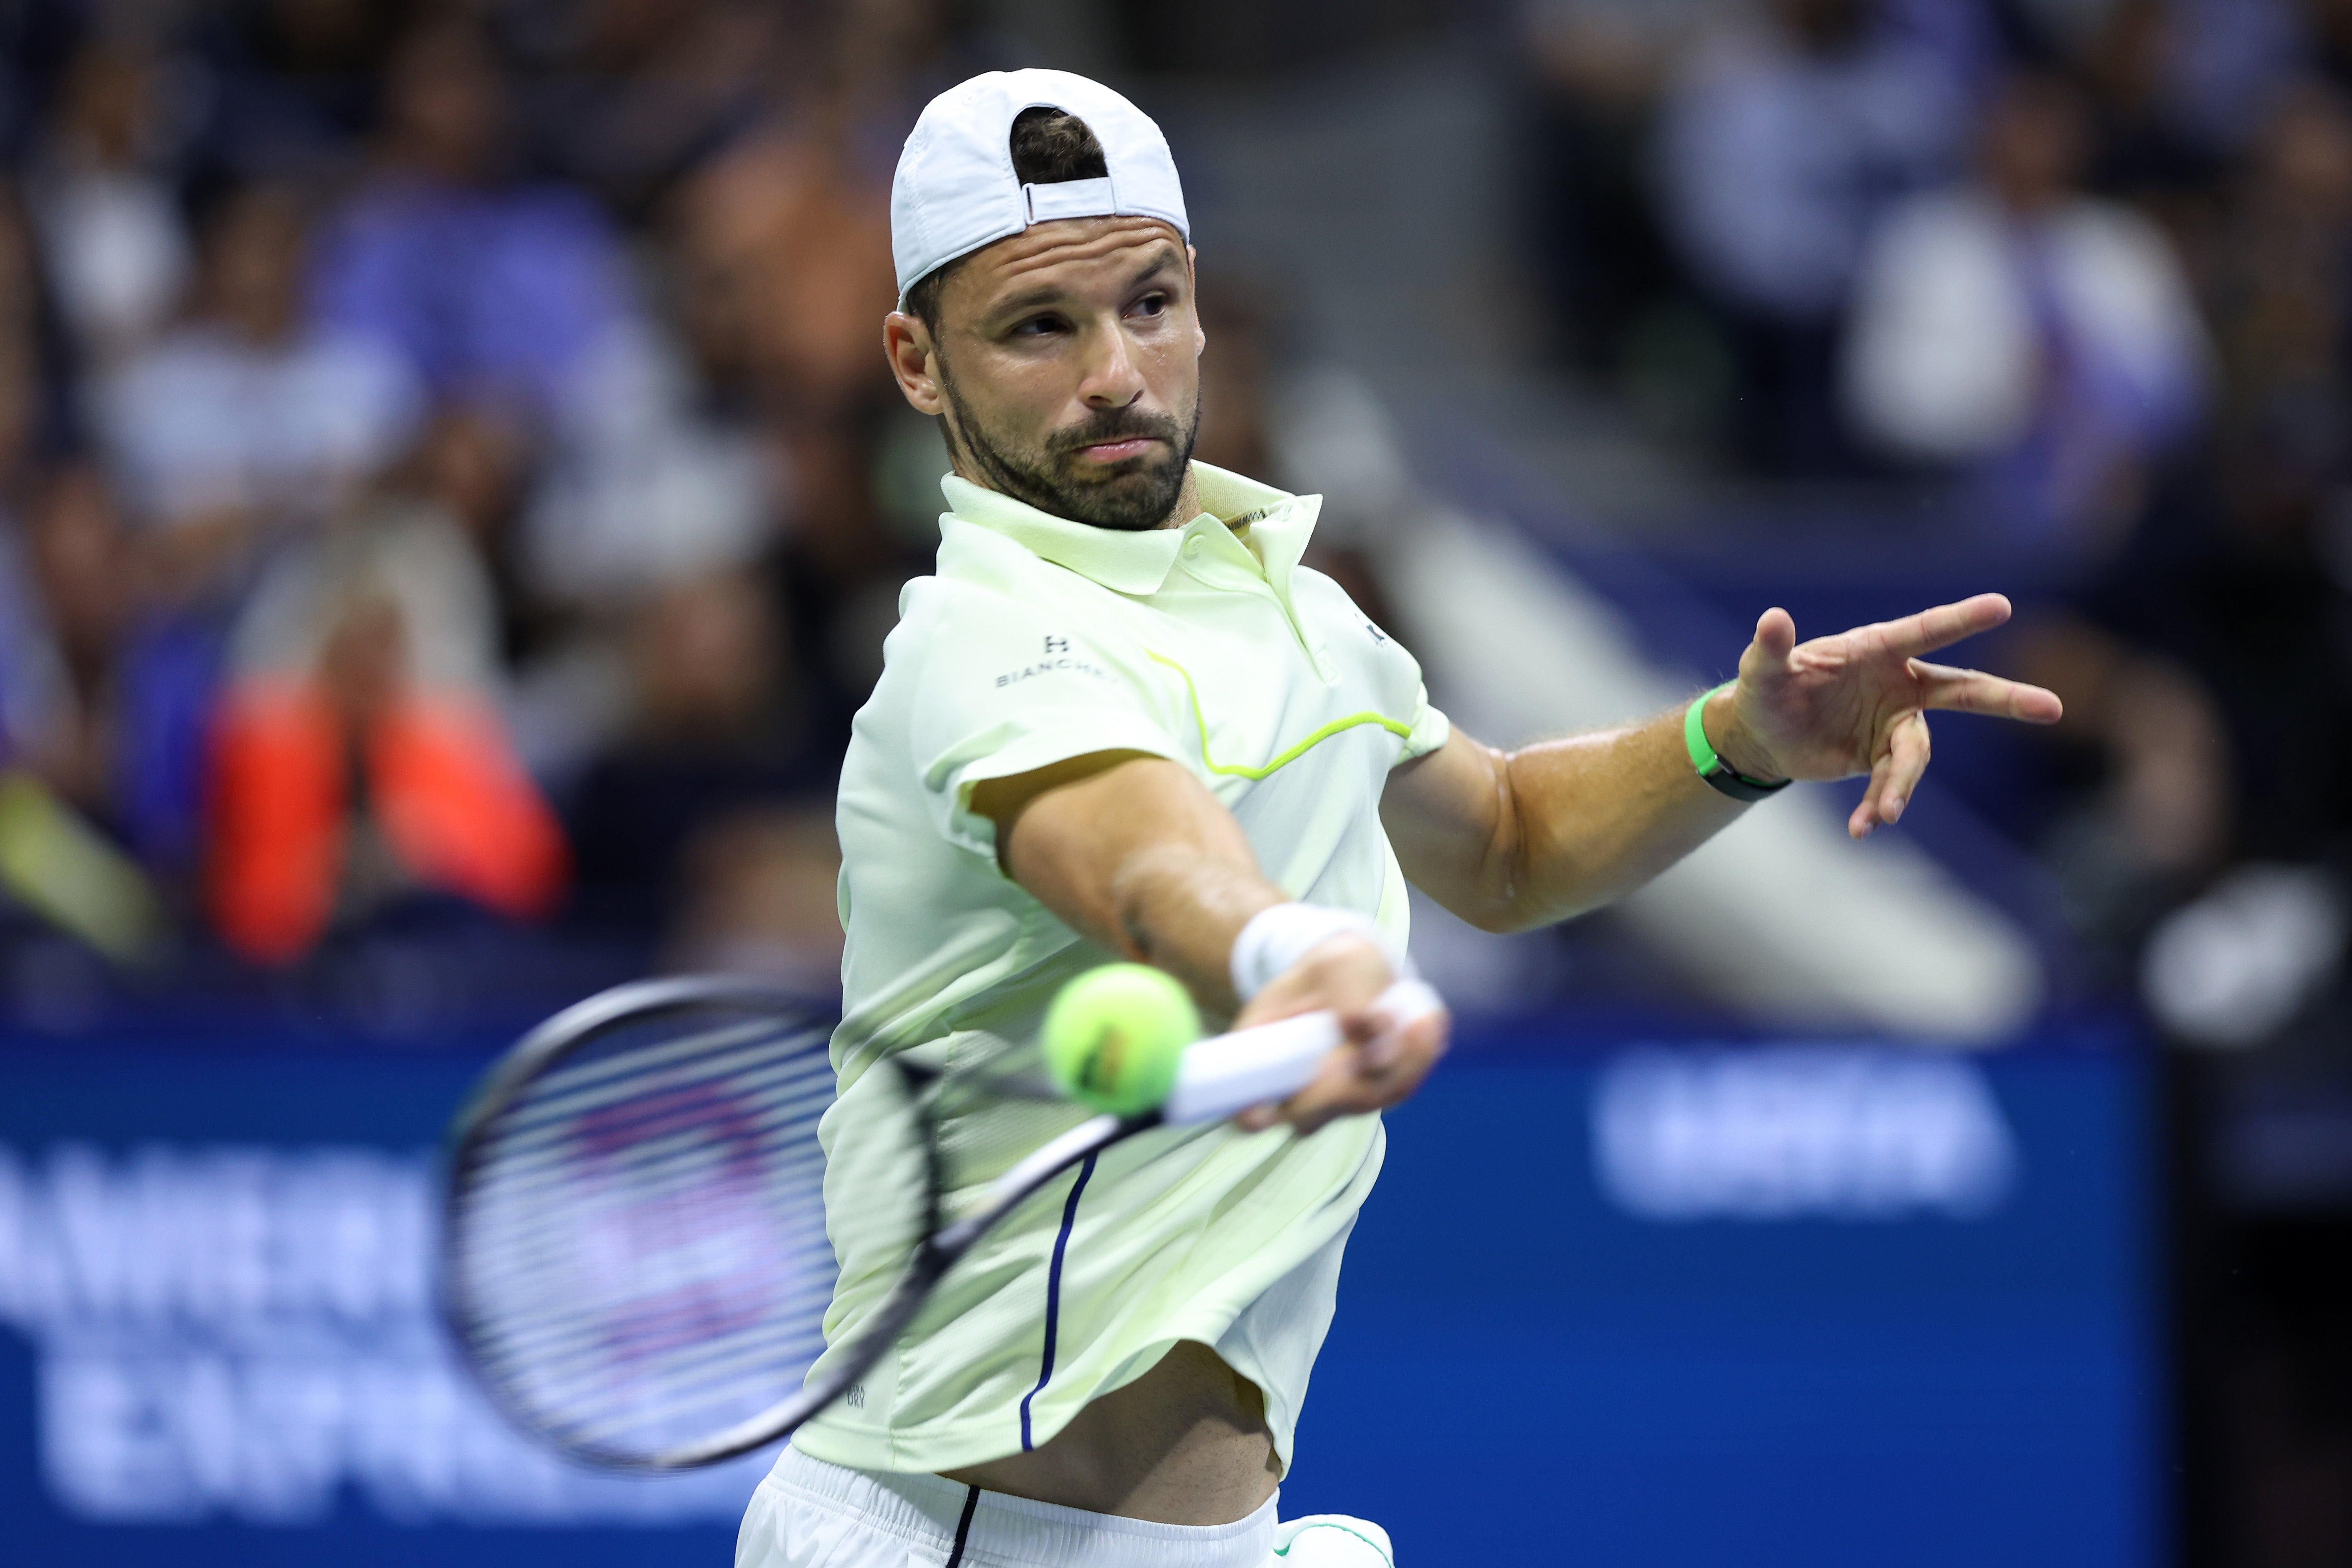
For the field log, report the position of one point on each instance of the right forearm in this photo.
(1180, 909)
(1139, 857)
(1134, 853)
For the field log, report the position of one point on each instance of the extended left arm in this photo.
(1508, 840)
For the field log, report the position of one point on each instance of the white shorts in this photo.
(810, 1514)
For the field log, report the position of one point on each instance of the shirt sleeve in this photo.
(1006, 688)
(1431, 728)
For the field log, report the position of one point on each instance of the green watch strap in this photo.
(1717, 773)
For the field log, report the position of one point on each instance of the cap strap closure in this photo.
(1069, 198)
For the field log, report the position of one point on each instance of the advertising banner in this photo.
(1666, 1302)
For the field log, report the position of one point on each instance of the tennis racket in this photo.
(635, 1261)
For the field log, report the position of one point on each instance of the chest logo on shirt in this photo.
(1057, 658)
(1377, 635)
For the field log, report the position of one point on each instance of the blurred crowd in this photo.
(2085, 267)
(450, 486)
(446, 469)
(449, 481)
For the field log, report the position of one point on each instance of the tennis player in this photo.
(1122, 719)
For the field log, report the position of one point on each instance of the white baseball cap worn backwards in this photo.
(955, 190)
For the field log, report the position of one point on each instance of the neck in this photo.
(1187, 502)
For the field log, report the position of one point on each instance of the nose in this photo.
(1113, 379)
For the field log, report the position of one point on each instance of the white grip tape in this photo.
(1232, 1072)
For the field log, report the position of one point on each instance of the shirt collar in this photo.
(1279, 527)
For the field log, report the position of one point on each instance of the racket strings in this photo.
(542, 1159)
(748, 1068)
(641, 1254)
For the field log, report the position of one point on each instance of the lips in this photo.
(1117, 451)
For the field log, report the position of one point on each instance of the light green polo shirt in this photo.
(1041, 640)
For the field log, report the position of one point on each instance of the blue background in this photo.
(1520, 1370)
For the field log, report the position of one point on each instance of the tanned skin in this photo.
(1066, 370)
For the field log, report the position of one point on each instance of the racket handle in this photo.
(1229, 1073)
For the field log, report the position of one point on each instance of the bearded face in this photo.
(1066, 361)
(1056, 473)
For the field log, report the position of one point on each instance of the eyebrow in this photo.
(1163, 261)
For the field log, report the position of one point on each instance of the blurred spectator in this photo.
(782, 242)
(720, 740)
(64, 617)
(2144, 752)
(359, 753)
(107, 212)
(248, 421)
(65, 601)
(101, 699)
(2242, 570)
(496, 290)
(1308, 432)
(1599, 67)
(798, 224)
(2043, 339)
(2278, 291)
(759, 895)
(1783, 141)
(2206, 668)
(670, 475)
(681, 471)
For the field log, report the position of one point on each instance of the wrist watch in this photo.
(1719, 774)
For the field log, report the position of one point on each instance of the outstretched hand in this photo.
(1857, 702)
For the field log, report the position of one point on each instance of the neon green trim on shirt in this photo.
(1395, 727)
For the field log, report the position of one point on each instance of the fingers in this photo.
(1776, 635)
(1332, 1084)
(1864, 816)
(1361, 1076)
(1931, 629)
(1973, 691)
(1358, 1080)
(1893, 777)
(1908, 760)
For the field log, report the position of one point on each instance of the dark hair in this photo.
(1050, 147)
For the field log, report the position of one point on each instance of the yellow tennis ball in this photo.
(1114, 1035)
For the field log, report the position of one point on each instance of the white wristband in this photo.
(1277, 938)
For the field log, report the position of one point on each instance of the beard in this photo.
(1133, 497)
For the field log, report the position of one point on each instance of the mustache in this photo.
(1117, 425)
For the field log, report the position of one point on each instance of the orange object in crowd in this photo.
(453, 803)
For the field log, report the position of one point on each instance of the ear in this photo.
(1192, 276)
(906, 344)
